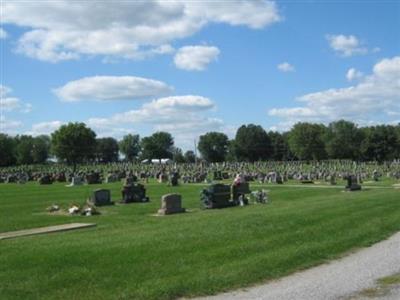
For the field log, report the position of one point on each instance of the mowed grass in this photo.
(132, 254)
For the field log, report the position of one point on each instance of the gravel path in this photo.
(338, 279)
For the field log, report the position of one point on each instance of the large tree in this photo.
(306, 141)
(130, 146)
(213, 146)
(159, 145)
(107, 150)
(252, 143)
(380, 143)
(7, 150)
(343, 140)
(74, 143)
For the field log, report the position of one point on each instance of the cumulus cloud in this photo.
(183, 116)
(195, 58)
(3, 34)
(44, 128)
(353, 74)
(285, 67)
(112, 88)
(375, 98)
(9, 126)
(346, 45)
(65, 30)
(8, 104)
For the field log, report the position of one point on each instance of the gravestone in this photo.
(307, 181)
(171, 204)
(111, 178)
(279, 179)
(174, 178)
(60, 177)
(216, 196)
(239, 192)
(45, 179)
(11, 179)
(100, 197)
(352, 184)
(217, 175)
(162, 178)
(93, 178)
(333, 180)
(76, 181)
(134, 193)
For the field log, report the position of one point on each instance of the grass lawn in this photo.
(134, 255)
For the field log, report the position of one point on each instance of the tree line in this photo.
(76, 143)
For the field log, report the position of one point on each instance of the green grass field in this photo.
(132, 254)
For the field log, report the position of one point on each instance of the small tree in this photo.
(130, 146)
(190, 157)
(73, 143)
(178, 155)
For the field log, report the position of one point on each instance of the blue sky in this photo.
(191, 67)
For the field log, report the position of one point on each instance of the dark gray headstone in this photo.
(101, 197)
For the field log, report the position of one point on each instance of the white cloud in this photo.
(195, 58)
(183, 116)
(167, 110)
(64, 30)
(3, 34)
(112, 88)
(346, 45)
(8, 104)
(285, 67)
(9, 126)
(353, 74)
(44, 128)
(375, 98)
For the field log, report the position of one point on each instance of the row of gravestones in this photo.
(170, 203)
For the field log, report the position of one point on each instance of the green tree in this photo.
(107, 150)
(7, 150)
(279, 146)
(306, 141)
(213, 146)
(177, 155)
(231, 154)
(74, 143)
(41, 149)
(159, 145)
(380, 143)
(190, 157)
(24, 149)
(343, 140)
(130, 146)
(252, 143)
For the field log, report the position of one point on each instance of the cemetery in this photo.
(205, 150)
(245, 223)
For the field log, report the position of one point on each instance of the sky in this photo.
(190, 67)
